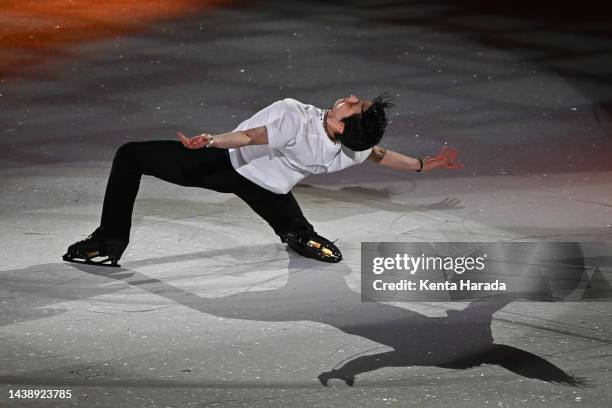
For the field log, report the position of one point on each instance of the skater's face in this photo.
(349, 106)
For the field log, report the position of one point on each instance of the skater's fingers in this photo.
(455, 165)
(183, 139)
(195, 142)
(188, 144)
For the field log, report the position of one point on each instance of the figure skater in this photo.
(260, 161)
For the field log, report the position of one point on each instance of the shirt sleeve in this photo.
(347, 158)
(283, 130)
(360, 157)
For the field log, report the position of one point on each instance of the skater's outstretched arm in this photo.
(445, 159)
(255, 136)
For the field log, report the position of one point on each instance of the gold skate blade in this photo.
(326, 251)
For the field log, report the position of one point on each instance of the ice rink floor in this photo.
(209, 308)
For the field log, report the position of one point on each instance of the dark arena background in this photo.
(208, 308)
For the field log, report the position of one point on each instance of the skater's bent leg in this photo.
(284, 215)
(281, 212)
(121, 191)
(164, 159)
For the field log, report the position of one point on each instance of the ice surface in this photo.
(209, 307)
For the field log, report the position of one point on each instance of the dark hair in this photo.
(365, 130)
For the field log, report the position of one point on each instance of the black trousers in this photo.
(206, 168)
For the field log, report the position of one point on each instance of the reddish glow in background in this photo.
(32, 31)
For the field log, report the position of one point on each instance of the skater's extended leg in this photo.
(164, 159)
(167, 160)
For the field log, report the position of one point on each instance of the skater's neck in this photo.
(327, 126)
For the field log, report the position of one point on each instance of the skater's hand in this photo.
(196, 142)
(446, 159)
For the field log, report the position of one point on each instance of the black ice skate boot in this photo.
(97, 245)
(311, 245)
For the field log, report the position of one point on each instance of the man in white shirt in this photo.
(260, 161)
